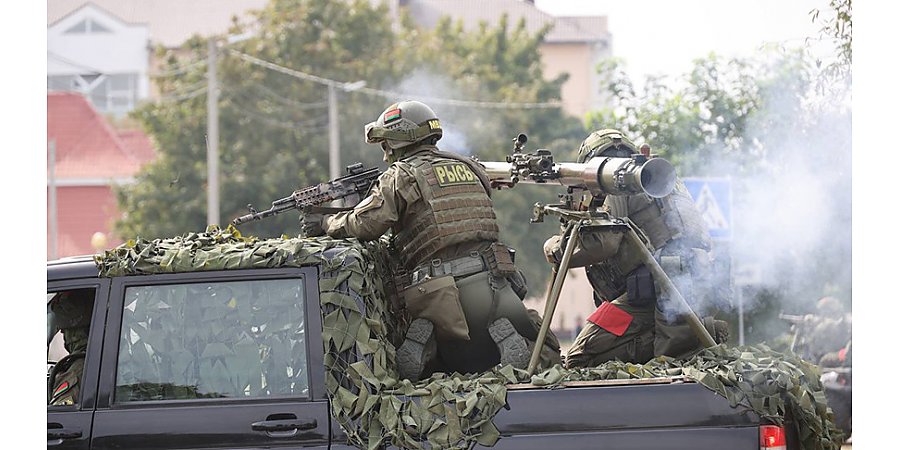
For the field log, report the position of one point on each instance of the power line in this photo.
(181, 97)
(307, 125)
(244, 108)
(91, 70)
(389, 94)
(276, 97)
(178, 69)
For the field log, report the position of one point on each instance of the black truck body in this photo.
(665, 413)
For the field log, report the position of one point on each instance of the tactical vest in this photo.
(664, 221)
(455, 209)
(672, 217)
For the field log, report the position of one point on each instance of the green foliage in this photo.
(709, 113)
(274, 127)
(839, 29)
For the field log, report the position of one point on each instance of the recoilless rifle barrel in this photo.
(600, 175)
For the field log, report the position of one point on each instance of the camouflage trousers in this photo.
(476, 295)
(649, 334)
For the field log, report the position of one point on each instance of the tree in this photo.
(273, 127)
(839, 29)
(273, 135)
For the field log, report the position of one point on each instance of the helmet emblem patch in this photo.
(391, 116)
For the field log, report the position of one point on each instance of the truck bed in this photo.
(624, 414)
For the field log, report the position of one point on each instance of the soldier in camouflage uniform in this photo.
(824, 337)
(457, 280)
(634, 321)
(71, 315)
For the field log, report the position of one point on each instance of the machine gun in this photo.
(793, 319)
(351, 188)
(600, 175)
(796, 325)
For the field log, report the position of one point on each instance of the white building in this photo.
(105, 48)
(97, 54)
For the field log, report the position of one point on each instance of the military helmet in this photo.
(72, 308)
(404, 124)
(606, 142)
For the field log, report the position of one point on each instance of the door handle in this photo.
(284, 425)
(62, 433)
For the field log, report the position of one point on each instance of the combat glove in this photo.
(312, 225)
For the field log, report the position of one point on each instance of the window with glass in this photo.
(68, 327)
(235, 339)
(109, 93)
(87, 26)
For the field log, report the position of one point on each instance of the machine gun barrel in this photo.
(790, 318)
(600, 175)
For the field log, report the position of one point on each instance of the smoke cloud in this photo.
(791, 215)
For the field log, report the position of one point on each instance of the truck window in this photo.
(68, 326)
(240, 339)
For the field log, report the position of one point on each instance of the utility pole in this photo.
(334, 130)
(212, 135)
(51, 200)
(334, 145)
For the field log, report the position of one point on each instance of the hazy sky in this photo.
(655, 36)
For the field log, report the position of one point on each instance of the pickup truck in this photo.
(242, 349)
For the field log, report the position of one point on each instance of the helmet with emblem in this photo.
(404, 124)
(606, 142)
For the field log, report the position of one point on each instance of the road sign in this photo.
(713, 199)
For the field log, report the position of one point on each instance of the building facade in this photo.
(86, 158)
(95, 53)
(105, 49)
(574, 45)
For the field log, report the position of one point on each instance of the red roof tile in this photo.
(87, 146)
(138, 145)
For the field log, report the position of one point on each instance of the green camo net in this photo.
(361, 327)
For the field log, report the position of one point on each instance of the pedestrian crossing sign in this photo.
(713, 198)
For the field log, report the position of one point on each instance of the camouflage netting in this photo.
(361, 328)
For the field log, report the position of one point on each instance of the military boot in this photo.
(513, 347)
(417, 349)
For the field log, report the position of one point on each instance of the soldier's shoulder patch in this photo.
(60, 391)
(62, 388)
(454, 173)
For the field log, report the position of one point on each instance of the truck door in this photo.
(75, 314)
(228, 359)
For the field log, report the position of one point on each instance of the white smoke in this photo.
(790, 174)
(461, 125)
(791, 215)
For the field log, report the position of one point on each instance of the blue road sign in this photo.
(713, 199)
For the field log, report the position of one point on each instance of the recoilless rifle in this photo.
(350, 188)
(600, 176)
